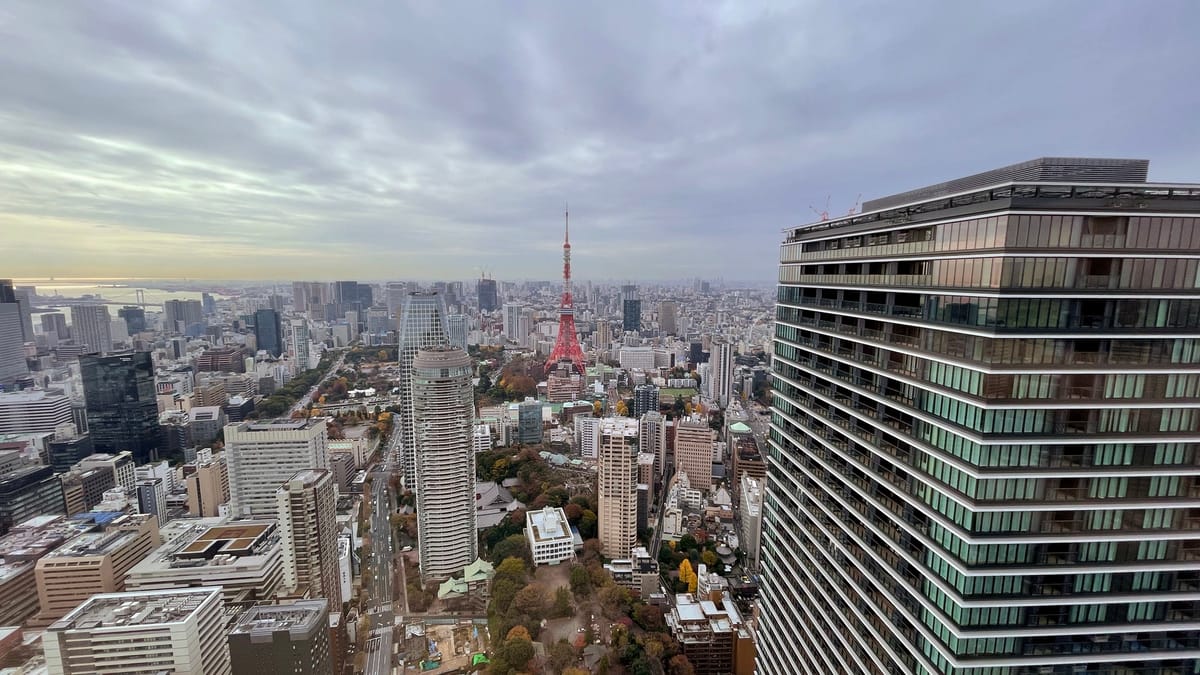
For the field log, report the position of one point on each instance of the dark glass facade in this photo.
(268, 332)
(122, 412)
(631, 315)
(983, 455)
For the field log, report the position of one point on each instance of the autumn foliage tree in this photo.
(687, 575)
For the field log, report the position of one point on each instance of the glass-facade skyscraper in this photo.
(122, 412)
(983, 454)
(422, 326)
(268, 332)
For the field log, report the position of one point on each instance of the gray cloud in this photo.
(381, 140)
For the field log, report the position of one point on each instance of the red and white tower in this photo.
(566, 348)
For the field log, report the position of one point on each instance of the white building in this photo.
(261, 456)
(33, 411)
(511, 316)
(481, 438)
(641, 358)
(91, 326)
(345, 568)
(443, 406)
(721, 371)
(170, 631)
(587, 436)
(549, 536)
(301, 346)
(652, 438)
(750, 497)
(617, 486)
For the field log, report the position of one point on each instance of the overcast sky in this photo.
(289, 139)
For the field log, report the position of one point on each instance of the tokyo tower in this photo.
(566, 348)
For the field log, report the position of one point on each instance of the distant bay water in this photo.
(115, 292)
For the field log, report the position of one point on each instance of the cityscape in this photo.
(344, 419)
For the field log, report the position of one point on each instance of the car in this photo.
(406, 549)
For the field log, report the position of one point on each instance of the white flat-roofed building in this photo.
(33, 411)
(170, 631)
(261, 456)
(549, 536)
(243, 557)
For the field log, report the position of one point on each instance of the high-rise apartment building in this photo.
(301, 346)
(720, 371)
(694, 452)
(207, 484)
(291, 638)
(261, 456)
(617, 486)
(121, 404)
(444, 419)
(268, 332)
(56, 322)
(512, 321)
(171, 631)
(489, 297)
(183, 317)
(984, 446)
(422, 326)
(307, 507)
(645, 399)
(652, 437)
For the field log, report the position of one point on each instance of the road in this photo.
(304, 401)
(382, 557)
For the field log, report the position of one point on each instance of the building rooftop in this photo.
(137, 608)
(280, 424)
(306, 477)
(30, 396)
(93, 544)
(299, 618)
(619, 426)
(547, 524)
(205, 544)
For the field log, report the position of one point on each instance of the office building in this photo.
(12, 337)
(750, 500)
(291, 638)
(489, 297)
(91, 327)
(207, 483)
(645, 399)
(68, 448)
(152, 498)
(95, 562)
(56, 322)
(33, 411)
(549, 536)
(456, 326)
(121, 404)
(617, 486)
(668, 317)
(422, 326)
(183, 317)
(694, 442)
(268, 332)
(444, 419)
(304, 353)
(983, 413)
(243, 557)
(602, 338)
(29, 491)
(513, 311)
(221, 360)
(720, 371)
(121, 465)
(307, 505)
(134, 318)
(172, 631)
(83, 489)
(631, 309)
(261, 456)
(529, 421)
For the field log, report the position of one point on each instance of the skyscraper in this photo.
(134, 317)
(12, 345)
(616, 486)
(268, 332)
(694, 452)
(261, 456)
(489, 298)
(91, 326)
(301, 346)
(668, 317)
(121, 404)
(444, 418)
(456, 327)
(512, 320)
(645, 399)
(422, 326)
(652, 438)
(984, 414)
(631, 309)
(307, 510)
(56, 322)
(720, 371)
(183, 317)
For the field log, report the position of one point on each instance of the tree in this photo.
(709, 559)
(519, 632)
(529, 601)
(581, 582)
(562, 603)
(597, 408)
(614, 601)
(587, 524)
(687, 576)
(649, 618)
(513, 546)
(574, 512)
(679, 665)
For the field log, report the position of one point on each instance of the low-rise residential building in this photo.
(638, 572)
(171, 631)
(549, 536)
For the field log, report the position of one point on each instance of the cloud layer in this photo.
(374, 140)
